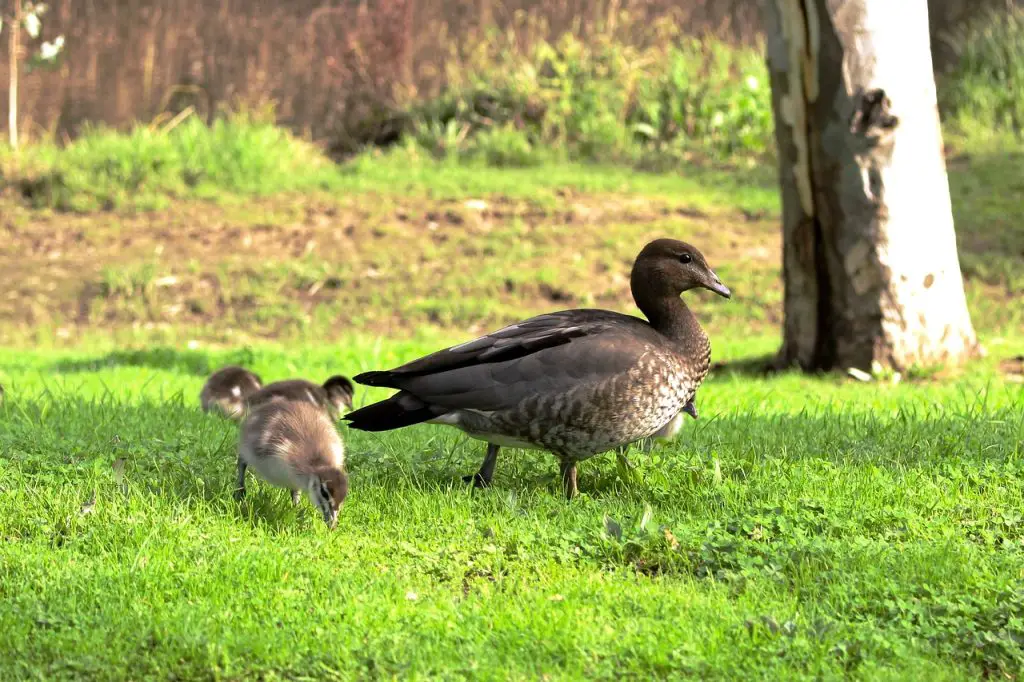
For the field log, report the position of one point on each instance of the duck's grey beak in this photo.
(716, 286)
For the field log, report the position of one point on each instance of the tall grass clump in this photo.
(983, 93)
(241, 153)
(515, 102)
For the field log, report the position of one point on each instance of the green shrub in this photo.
(104, 168)
(600, 99)
(983, 93)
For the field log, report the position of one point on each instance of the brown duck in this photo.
(576, 383)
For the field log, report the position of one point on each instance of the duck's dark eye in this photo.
(685, 258)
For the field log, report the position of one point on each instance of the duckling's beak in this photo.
(716, 286)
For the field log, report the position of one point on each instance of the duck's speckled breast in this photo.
(595, 417)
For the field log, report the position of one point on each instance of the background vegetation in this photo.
(802, 528)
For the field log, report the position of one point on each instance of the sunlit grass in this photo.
(801, 527)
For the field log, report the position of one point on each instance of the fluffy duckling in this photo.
(295, 445)
(333, 396)
(227, 390)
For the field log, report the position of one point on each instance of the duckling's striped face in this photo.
(328, 491)
(231, 408)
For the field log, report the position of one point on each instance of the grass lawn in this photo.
(802, 528)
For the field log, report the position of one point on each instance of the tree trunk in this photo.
(13, 64)
(869, 252)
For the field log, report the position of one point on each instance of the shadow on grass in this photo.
(197, 363)
(175, 450)
(757, 366)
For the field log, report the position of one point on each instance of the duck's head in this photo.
(669, 266)
(339, 392)
(328, 490)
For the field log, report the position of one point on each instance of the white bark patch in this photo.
(917, 245)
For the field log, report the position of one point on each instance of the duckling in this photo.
(295, 445)
(334, 395)
(227, 389)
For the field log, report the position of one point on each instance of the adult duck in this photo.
(576, 383)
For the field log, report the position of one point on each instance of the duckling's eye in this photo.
(685, 258)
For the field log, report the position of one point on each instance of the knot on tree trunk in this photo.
(873, 116)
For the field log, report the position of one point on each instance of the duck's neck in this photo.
(672, 318)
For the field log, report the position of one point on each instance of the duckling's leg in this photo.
(482, 478)
(240, 484)
(295, 497)
(568, 470)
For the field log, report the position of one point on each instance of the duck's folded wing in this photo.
(551, 371)
(509, 343)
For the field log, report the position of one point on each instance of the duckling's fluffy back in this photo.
(298, 432)
(227, 389)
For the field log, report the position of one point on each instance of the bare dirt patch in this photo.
(272, 266)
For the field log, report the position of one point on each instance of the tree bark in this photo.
(870, 263)
(13, 66)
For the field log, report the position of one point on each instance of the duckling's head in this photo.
(227, 389)
(233, 408)
(671, 267)
(328, 490)
(339, 392)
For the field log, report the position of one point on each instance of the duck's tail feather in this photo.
(401, 409)
(375, 378)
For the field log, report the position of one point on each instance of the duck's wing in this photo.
(508, 343)
(547, 354)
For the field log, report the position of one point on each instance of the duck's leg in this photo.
(295, 497)
(482, 478)
(240, 483)
(620, 455)
(623, 466)
(568, 470)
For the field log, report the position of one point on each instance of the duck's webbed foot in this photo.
(482, 478)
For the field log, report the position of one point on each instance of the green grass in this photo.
(802, 528)
(149, 166)
(981, 95)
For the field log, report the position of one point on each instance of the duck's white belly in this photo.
(457, 418)
(274, 470)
